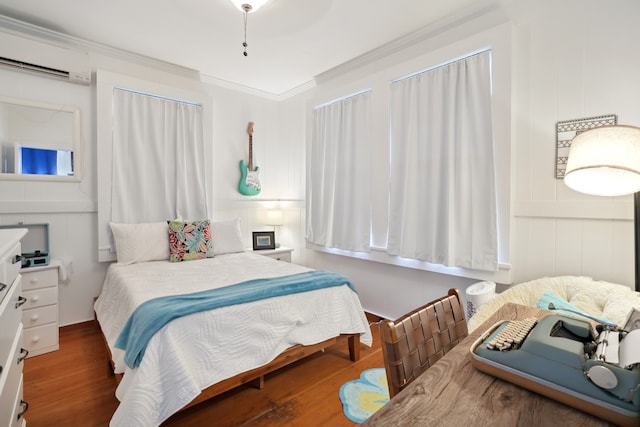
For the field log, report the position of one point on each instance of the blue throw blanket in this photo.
(152, 315)
(563, 306)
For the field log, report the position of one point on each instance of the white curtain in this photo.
(158, 159)
(442, 189)
(338, 190)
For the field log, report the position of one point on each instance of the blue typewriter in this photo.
(595, 370)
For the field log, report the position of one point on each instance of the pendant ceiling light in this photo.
(247, 7)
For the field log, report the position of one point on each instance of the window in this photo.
(442, 202)
(385, 225)
(195, 125)
(42, 161)
(158, 161)
(338, 190)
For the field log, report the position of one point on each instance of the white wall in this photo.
(575, 59)
(278, 148)
(68, 207)
(572, 59)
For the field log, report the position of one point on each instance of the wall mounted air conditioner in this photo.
(71, 76)
(26, 55)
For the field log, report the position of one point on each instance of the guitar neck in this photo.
(251, 152)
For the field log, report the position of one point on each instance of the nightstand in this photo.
(40, 312)
(281, 254)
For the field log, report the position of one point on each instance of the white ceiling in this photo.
(289, 41)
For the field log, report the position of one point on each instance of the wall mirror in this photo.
(39, 141)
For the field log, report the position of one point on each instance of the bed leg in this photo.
(354, 347)
(109, 369)
(258, 382)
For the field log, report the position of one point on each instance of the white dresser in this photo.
(40, 312)
(12, 353)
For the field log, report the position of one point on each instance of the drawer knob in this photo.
(34, 317)
(35, 339)
(25, 352)
(34, 280)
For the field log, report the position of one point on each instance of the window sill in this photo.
(379, 254)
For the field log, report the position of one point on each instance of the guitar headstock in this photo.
(250, 129)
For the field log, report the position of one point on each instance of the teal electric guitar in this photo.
(249, 183)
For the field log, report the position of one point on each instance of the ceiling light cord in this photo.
(246, 8)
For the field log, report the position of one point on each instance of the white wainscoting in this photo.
(591, 238)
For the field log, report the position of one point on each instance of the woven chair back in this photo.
(414, 342)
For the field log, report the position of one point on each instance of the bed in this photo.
(204, 353)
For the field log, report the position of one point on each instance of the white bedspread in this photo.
(191, 353)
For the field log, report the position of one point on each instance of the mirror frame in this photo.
(78, 151)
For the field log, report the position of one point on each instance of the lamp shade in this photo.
(605, 161)
(274, 217)
(254, 5)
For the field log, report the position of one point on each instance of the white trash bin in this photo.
(477, 295)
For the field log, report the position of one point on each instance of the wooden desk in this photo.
(454, 393)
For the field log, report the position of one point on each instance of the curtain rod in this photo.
(153, 95)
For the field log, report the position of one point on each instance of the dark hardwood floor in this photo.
(73, 387)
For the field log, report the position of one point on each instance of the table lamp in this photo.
(274, 218)
(605, 161)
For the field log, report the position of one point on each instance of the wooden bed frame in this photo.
(256, 376)
(292, 354)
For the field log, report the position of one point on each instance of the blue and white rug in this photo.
(364, 396)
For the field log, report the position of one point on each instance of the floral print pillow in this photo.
(189, 240)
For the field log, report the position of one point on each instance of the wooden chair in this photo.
(415, 341)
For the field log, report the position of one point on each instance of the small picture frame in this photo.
(264, 240)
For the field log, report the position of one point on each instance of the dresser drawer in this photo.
(10, 317)
(39, 278)
(41, 339)
(20, 408)
(40, 297)
(9, 270)
(10, 378)
(284, 256)
(40, 316)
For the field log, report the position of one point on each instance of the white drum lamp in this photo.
(605, 161)
(275, 218)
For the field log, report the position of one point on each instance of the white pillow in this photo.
(227, 237)
(141, 242)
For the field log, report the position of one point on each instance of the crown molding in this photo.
(418, 36)
(205, 78)
(40, 34)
